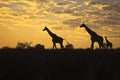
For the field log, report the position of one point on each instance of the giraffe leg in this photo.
(100, 45)
(54, 45)
(110, 45)
(103, 46)
(61, 46)
(107, 46)
(92, 45)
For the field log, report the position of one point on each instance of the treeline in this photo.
(28, 45)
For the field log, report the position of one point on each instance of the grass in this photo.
(65, 64)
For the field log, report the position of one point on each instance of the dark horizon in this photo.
(24, 20)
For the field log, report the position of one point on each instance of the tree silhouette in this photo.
(25, 45)
(28, 45)
(20, 45)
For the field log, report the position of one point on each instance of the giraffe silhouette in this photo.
(94, 37)
(108, 43)
(55, 38)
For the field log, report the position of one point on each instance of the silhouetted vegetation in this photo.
(40, 46)
(24, 45)
(59, 64)
(5, 47)
(69, 46)
(27, 45)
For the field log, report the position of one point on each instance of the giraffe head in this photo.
(105, 37)
(83, 25)
(45, 28)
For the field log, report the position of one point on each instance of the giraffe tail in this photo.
(66, 41)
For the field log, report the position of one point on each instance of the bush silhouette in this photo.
(39, 46)
(5, 47)
(69, 46)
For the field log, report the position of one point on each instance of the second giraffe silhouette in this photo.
(94, 37)
(108, 43)
(55, 38)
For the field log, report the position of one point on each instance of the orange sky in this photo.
(23, 20)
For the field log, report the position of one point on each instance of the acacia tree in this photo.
(28, 45)
(20, 45)
(25, 45)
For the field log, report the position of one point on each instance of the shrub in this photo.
(39, 46)
(69, 46)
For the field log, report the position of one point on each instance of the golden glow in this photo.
(100, 6)
(87, 3)
(24, 20)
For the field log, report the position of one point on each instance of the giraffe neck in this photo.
(50, 33)
(91, 33)
(107, 40)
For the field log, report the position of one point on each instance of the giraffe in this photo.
(108, 43)
(94, 37)
(55, 38)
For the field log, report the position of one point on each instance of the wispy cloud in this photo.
(103, 16)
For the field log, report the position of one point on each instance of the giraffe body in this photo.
(108, 43)
(94, 37)
(55, 38)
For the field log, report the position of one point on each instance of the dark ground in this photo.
(78, 64)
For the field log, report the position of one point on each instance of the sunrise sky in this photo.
(24, 20)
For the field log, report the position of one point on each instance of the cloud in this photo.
(62, 14)
(63, 7)
(86, 11)
(113, 7)
(42, 0)
(107, 4)
(98, 13)
(27, 0)
(58, 28)
(73, 22)
(16, 12)
(112, 21)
